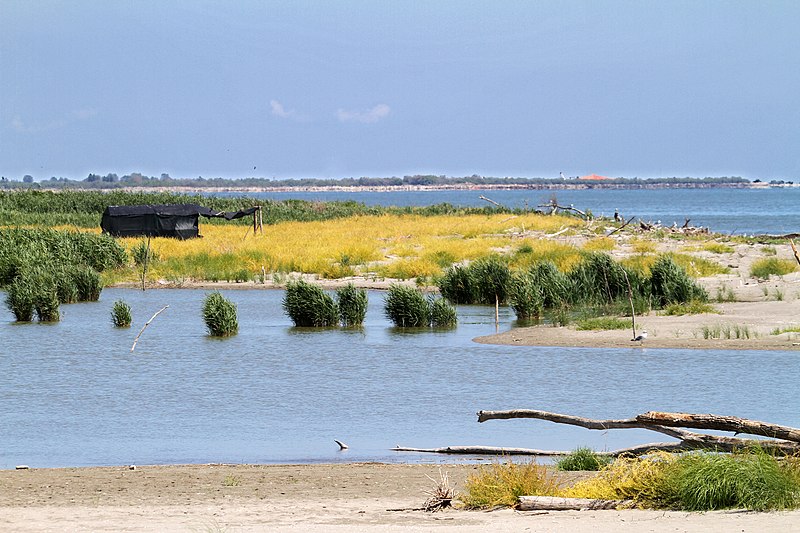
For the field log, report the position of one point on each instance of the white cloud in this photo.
(73, 116)
(369, 116)
(278, 110)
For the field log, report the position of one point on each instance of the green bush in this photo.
(219, 315)
(407, 307)
(582, 459)
(352, 303)
(442, 314)
(121, 314)
(307, 305)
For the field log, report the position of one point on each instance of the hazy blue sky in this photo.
(347, 88)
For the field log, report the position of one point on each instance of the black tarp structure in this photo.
(179, 220)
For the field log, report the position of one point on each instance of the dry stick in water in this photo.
(146, 324)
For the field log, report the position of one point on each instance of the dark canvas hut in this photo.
(179, 220)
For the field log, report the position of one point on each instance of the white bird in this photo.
(640, 338)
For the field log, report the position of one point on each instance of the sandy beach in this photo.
(336, 498)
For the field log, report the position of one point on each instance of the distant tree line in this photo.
(114, 181)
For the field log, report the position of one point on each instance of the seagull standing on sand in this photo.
(640, 338)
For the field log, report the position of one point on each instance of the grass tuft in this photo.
(309, 306)
(121, 314)
(582, 459)
(219, 314)
(352, 303)
(502, 484)
(772, 266)
(602, 323)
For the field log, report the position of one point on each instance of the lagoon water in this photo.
(730, 211)
(72, 394)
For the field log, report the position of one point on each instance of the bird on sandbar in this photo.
(640, 338)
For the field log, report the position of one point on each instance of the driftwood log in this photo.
(554, 503)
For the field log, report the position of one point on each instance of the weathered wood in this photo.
(690, 440)
(145, 325)
(481, 450)
(794, 250)
(612, 232)
(554, 503)
(490, 201)
(720, 422)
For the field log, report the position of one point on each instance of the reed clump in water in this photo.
(121, 315)
(352, 304)
(307, 305)
(219, 314)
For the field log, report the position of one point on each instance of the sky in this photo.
(334, 89)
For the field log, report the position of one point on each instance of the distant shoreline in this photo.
(414, 188)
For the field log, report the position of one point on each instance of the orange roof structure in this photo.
(593, 177)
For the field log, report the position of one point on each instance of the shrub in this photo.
(583, 459)
(458, 285)
(503, 484)
(121, 314)
(492, 280)
(407, 307)
(551, 282)
(598, 279)
(19, 300)
(219, 315)
(771, 266)
(669, 283)
(525, 297)
(307, 305)
(87, 283)
(352, 303)
(442, 314)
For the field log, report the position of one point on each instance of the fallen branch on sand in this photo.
(554, 503)
(781, 439)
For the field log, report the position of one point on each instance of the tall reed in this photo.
(352, 303)
(307, 305)
(219, 314)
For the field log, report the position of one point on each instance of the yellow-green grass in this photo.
(503, 484)
(697, 267)
(772, 266)
(641, 246)
(713, 247)
(600, 244)
(392, 246)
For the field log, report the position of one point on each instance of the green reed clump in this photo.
(603, 323)
(307, 305)
(525, 297)
(20, 299)
(219, 314)
(407, 307)
(582, 459)
(551, 282)
(492, 279)
(669, 283)
(121, 314)
(442, 314)
(352, 303)
(752, 479)
(87, 282)
(48, 308)
(598, 279)
(458, 285)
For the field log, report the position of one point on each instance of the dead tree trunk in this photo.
(554, 503)
(723, 423)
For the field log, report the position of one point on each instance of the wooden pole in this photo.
(145, 325)
(630, 299)
(144, 265)
(794, 249)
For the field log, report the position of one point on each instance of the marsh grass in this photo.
(406, 307)
(583, 459)
(442, 314)
(352, 304)
(725, 294)
(502, 484)
(600, 244)
(771, 266)
(219, 314)
(694, 307)
(307, 305)
(602, 323)
(727, 332)
(121, 314)
(670, 283)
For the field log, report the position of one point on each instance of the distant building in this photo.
(593, 177)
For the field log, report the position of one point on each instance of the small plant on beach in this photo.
(231, 481)
(407, 307)
(352, 303)
(308, 306)
(121, 314)
(442, 314)
(689, 308)
(602, 323)
(725, 294)
(219, 314)
(583, 459)
(771, 266)
(502, 485)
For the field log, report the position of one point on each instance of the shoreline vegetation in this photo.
(746, 293)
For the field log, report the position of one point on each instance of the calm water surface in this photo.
(736, 211)
(72, 394)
